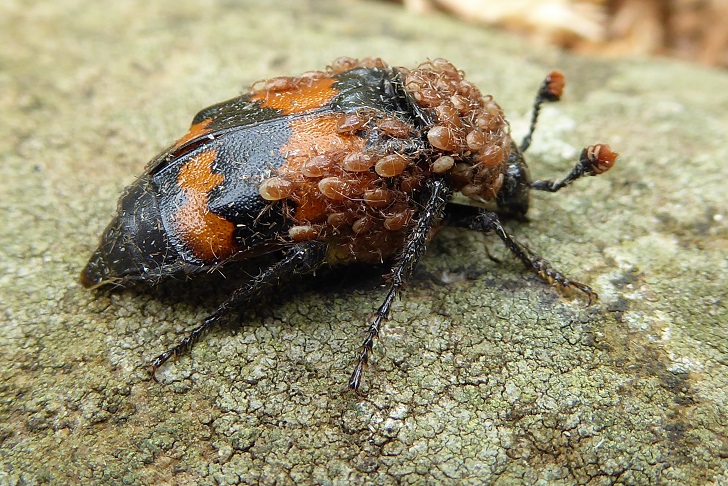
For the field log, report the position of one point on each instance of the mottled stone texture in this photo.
(484, 375)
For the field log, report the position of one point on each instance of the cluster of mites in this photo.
(368, 192)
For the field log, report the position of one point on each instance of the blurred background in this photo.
(694, 30)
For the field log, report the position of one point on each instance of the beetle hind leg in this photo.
(482, 220)
(301, 259)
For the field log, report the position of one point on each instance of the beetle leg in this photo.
(483, 220)
(414, 248)
(301, 259)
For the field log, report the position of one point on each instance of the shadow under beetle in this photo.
(359, 162)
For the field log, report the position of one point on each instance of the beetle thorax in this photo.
(471, 137)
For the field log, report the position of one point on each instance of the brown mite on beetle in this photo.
(357, 163)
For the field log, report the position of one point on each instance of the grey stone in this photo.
(483, 375)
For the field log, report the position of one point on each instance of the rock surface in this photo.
(483, 375)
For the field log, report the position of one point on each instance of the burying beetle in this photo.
(359, 162)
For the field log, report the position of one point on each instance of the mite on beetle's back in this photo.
(356, 163)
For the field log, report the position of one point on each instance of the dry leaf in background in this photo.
(696, 30)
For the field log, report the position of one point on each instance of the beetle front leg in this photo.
(301, 259)
(414, 248)
(483, 220)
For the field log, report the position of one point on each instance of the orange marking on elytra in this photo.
(312, 136)
(197, 130)
(301, 97)
(209, 236)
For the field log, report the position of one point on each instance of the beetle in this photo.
(359, 162)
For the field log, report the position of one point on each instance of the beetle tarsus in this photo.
(185, 344)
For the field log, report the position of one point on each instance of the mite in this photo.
(359, 162)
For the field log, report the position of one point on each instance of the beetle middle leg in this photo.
(414, 248)
(483, 220)
(301, 259)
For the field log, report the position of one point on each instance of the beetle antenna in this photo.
(594, 160)
(550, 90)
